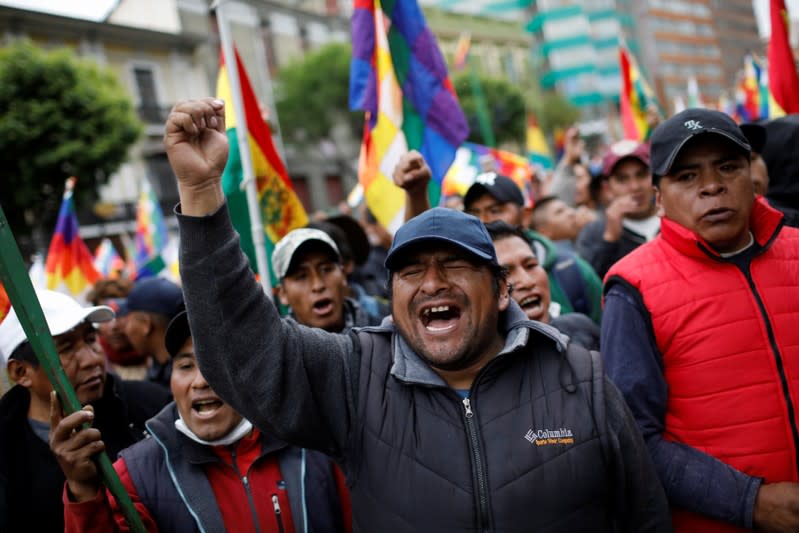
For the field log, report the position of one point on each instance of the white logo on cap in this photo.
(693, 124)
(486, 178)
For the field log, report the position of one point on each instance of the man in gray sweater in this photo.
(459, 415)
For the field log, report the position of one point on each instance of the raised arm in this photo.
(296, 383)
(413, 175)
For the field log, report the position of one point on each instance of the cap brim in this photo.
(666, 167)
(392, 259)
(612, 167)
(176, 333)
(100, 313)
(303, 247)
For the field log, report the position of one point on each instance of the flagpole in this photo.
(246, 155)
(483, 116)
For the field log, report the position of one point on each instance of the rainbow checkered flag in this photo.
(399, 78)
(151, 236)
(70, 265)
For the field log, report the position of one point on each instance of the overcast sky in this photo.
(97, 9)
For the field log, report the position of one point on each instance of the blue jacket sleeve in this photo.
(692, 479)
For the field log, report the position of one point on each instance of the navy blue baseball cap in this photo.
(443, 225)
(153, 295)
(670, 137)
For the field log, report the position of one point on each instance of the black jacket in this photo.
(782, 160)
(601, 254)
(543, 442)
(31, 482)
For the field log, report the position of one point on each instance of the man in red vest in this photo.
(701, 334)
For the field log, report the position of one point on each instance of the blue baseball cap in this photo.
(152, 295)
(444, 225)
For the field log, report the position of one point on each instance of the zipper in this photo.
(278, 514)
(247, 490)
(780, 365)
(474, 448)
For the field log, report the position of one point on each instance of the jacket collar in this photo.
(765, 223)
(520, 332)
(162, 426)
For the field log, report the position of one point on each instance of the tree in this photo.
(312, 95)
(62, 116)
(553, 111)
(505, 105)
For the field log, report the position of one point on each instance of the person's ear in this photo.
(659, 202)
(147, 323)
(20, 372)
(527, 217)
(281, 295)
(504, 294)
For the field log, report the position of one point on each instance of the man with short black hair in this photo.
(700, 334)
(530, 286)
(631, 218)
(30, 479)
(556, 221)
(574, 284)
(452, 416)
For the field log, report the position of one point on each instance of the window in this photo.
(300, 184)
(162, 179)
(149, 108)
(335, 189)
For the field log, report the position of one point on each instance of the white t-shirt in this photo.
(646, 227)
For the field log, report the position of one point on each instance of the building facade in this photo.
(165, 51)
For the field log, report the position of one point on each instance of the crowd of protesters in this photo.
(618, 353)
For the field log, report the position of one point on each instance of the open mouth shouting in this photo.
(206, 407)
(440, 318)
(323, 307)
(533, 306)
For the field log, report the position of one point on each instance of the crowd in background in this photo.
(568, 255)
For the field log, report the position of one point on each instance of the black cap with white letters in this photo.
(671, 136)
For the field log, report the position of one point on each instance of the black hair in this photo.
(499, 230)
(338, 236)
(24, 352)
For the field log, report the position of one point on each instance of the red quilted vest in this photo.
(732, 373)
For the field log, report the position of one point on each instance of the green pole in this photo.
(20, 292)
(483, 116)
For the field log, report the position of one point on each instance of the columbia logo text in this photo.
(693, 124)
(549, 437)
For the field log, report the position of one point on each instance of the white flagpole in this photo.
(244, 149)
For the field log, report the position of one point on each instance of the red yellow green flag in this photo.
(281, 209)
(636, 96)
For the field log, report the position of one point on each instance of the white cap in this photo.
(287, 246)
(62, 314)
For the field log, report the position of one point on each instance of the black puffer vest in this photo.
(168, 473)
(521, 453)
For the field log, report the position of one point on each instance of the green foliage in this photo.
(312, 95)
(505, 105)
(553, 111)
(62, 116)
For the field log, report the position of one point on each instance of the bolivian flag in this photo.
(636, 96)
(281, 209)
